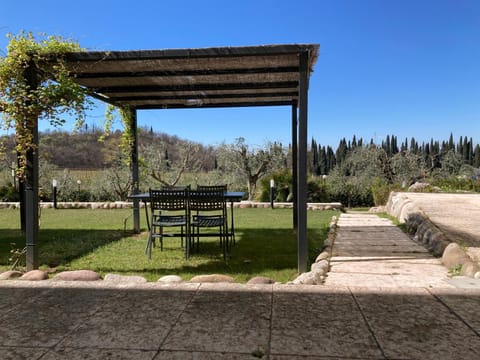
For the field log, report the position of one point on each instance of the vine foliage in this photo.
(128, 135)
(53, 96)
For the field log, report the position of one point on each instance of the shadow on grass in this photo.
(59, 246)
(269, 252)
(257, 252)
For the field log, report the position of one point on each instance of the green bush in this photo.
(457, 183)
(283, 186)
(317, 191)
(9, 193)
(381, 191)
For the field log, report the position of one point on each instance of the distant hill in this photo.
(84, 150)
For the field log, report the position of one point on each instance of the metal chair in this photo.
(224, 189)
(169, 209)
(209, 210)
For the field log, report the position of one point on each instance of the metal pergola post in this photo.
(31, 181)
(134, 167)
(294, 161)
(302, 241)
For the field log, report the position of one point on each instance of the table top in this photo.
(229, 195)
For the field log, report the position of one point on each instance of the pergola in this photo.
(270, 75)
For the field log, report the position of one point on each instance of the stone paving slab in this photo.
(79, 320)
(384, 257)
(425, 324)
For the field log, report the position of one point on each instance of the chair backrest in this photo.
(169, 199)
(207, 200)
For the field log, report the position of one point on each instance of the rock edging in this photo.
(321, 266)
(427, 233)
(129, 205)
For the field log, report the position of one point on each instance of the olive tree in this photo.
(250, 165)
(166, 170)
(408, 167)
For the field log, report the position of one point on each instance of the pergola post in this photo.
(132, 123)
(31, 181)
(302, 242)
(294, 161)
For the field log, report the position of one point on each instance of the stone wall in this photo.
(418, 224)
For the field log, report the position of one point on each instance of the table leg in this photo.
(232, 230)
(146, 214)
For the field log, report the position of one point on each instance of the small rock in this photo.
(323, 256)
(418, 186)
(260, 280)
(11, 274)
(321, 266)
(34, 275)
(122, 279)
(214, 278)
(469, 269)
(377, 209)
(454, 255)
(307, 278)
(77, 275)
(477, 275)
(170, 279)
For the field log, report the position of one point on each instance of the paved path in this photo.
(370, 251)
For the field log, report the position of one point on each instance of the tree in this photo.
(250, 165)
(167, 170)
(407, 166)
(476, 156)
(451, 164)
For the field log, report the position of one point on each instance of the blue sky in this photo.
(406, 67)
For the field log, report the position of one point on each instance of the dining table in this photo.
(230, 196)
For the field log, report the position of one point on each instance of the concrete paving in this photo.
(396, 304)
(370, 251)
(92, 320)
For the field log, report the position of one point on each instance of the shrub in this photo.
(283, 186)
(9, 193)
(381, 191)
(457, 183)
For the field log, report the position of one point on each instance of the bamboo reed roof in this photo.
(187, 78)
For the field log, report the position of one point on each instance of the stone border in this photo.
(321, 266)
(129, 205)
(426, 232)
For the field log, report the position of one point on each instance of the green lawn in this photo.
(96, 240)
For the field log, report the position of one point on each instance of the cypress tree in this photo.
(476, 156)
(451, 144)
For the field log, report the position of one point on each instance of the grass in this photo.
(395, 221)
(95, 239)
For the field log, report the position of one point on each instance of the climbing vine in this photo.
(128, 135)
(35, 84)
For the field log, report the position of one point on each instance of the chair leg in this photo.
(181, 237)
(161, 238)
(198, 238)
(148, 248)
